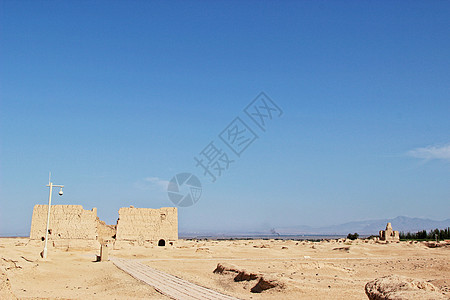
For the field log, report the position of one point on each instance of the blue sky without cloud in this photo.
(115, 98)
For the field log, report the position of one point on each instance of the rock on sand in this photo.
(396, 287)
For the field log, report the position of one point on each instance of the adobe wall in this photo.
(73, 223)
(105, 232)
(66, 222)
(146, 224)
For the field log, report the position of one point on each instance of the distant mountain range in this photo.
(370, 227)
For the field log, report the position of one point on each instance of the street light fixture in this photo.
(50, 185)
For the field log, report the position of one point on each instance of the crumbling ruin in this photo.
(389, 234)
(146, 224)
(66, 222)
(73, 223)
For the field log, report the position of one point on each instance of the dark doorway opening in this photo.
(161, 243)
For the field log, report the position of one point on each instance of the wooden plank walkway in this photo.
(167, 284)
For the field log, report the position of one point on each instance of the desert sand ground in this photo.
(305, 270)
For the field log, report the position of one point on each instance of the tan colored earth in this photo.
(304, 270)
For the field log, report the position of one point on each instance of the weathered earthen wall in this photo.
(105, 232)
(66, 222)
(72, 222)
(389, 234)
(146, 224)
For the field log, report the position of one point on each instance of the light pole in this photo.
(50, 185)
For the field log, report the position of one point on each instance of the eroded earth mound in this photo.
(396, 287)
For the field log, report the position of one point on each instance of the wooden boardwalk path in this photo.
(167, 284)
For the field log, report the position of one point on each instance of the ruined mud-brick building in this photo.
(389, 234)
(73, 224)
(146, 224)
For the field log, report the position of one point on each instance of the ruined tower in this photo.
(389, 234)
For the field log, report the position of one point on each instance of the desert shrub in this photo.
(353, 236)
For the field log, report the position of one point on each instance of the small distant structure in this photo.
(389, 234)
(104, 252)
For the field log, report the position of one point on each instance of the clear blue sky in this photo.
(117, 97)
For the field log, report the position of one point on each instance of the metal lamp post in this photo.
(50, 185)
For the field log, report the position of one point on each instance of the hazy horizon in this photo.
(273, 231)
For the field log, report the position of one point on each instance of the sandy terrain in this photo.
(304, 270)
